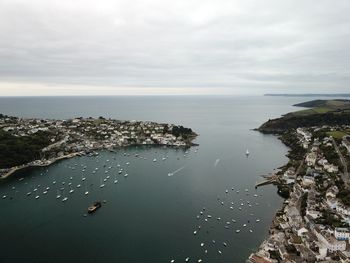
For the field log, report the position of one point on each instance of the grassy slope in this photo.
(322, 112)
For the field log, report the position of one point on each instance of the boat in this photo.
(154, 160)
(94, 207)
(64, 199)
(237, 231)
(247, 153)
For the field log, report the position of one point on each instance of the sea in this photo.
(198, 204)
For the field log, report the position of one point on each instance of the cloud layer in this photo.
(245, 46)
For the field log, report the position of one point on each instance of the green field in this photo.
(337, 134)
(311, 111)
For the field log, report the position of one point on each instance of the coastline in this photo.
(40, 163)
(15, 169)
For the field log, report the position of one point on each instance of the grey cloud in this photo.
(263, 45)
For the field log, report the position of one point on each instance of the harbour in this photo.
(148, 205)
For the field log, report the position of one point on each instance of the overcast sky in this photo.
(72, 47)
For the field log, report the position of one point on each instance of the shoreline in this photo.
(14, 170)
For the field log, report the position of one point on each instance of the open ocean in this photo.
(149, 216)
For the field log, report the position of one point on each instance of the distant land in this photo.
(308, 95)
(320, 112)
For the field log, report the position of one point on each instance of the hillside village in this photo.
(313, 225)
(67, 138)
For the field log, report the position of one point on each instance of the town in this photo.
(40, 142)
(313, 225)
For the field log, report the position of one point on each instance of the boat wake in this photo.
(176, 171)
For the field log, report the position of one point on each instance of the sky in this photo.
(150, 47)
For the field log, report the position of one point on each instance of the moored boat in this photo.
(94, 207)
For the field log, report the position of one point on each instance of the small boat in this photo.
(37, 197)
(29, 193)
(247, 153)
(125, 175)
(86, 192)
(93, 208)
(64, 199)
(154, 160)
(237, 231)
(78, 186)
(224, 243)
(187, 259)
(202, 244)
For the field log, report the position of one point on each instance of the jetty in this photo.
(269, 179)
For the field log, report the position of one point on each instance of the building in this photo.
(341, 233)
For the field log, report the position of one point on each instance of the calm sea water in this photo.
(148, 216)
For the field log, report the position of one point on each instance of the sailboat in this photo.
(86, 191)
(101, 184)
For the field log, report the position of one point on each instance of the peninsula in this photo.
(40, 142)
(313, 224)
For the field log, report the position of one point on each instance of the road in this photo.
(345, 175)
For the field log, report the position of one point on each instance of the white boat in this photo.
(187, 259)
(29, 193)
(125, 175)
(79, 185)
(247, 153)
(64, 199)
(86, 192)
(37, 197)
(237, 231)
(154, 160)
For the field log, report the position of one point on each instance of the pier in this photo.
(269, 179)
